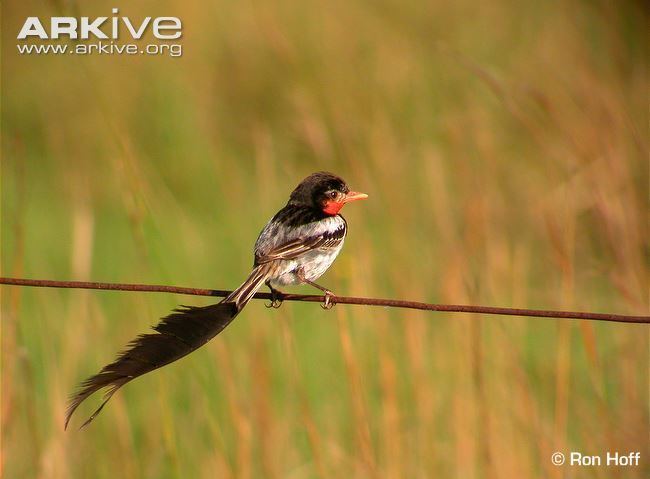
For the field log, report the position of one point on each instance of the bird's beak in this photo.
(354, 196)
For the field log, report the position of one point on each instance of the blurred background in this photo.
(504, 147)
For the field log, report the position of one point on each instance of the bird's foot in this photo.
(329, 300)
(276, 299)
(275, 303)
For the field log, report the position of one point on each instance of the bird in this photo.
(297, 245)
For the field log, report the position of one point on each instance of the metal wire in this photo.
(390, 303)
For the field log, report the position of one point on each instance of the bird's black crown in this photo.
(316, 189)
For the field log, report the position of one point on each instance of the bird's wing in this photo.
(292, 249)
(301, 245)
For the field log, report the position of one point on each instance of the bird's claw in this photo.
(328, 303)
(275, 303)
(276, 299)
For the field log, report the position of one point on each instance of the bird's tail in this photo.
(245, 292)
(176, 335)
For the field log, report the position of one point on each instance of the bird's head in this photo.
(325, 192)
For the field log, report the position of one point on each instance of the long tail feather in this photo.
(185, 330)
(245, 292)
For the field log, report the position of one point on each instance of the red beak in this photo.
(354, 196)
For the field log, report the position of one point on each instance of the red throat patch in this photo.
(333, 207)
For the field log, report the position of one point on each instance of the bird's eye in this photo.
(332, 194)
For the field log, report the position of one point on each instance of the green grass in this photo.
(504, 148)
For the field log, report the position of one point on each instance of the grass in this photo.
(504, 148)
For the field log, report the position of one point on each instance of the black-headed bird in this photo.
(295, 247)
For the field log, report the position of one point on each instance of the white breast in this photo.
(313, 263)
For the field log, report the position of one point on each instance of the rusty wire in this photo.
(390, 303)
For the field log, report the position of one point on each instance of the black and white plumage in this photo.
(296, 246)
